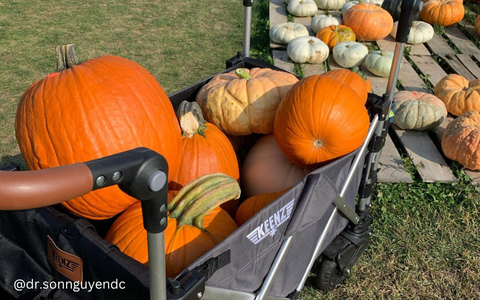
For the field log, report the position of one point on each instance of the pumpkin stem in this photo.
(242, 73)
(66, 57)
(383, 52)
(213, 195)
(191, 191)
(191, 119)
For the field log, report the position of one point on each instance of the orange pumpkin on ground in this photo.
(461, 140)
(369, 21)
(442, 12)
(334, 34)
(477, 25)
(458, 94)
(254, 204)
(196, 223)
(267, 170)
(205, 150)
(361, 85)
(320, 119)
(92, 109)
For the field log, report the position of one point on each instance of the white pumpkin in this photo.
(307, 49)
(302, 8)
(348, 5)
(420, 32)
(286, 1)
(283, 33)
(379, 62)
(330, 4)
(349, 54)
(321, 21)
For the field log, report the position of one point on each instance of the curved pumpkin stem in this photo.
(66, 57)
(241, 73)
(201, 196)
(191, 119)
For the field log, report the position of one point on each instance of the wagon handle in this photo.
(141, 173)
(247, 24)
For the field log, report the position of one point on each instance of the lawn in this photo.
(425, 242)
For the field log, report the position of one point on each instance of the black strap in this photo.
(10, 167)
(211, 266)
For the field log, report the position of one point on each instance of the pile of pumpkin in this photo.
(102, 106)
(454, 95)
(360, 22)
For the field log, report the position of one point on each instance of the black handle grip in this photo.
(247, 3)
(142, 174)
(410, 8)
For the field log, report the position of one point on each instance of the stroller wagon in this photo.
(323, 222)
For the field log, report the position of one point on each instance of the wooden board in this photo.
(313, 69)
(469, 64)
(391, 167)
(281, 60)
(410, 79)
(457, 66)
(430, 68)
(461, 41)
(439, 46)
(277, 15)
(429, 162)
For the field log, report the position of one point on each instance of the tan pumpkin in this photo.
(254, 204)
(243, 101)
(267, 170)
(442, 12)
(418, 111)
(458, 94)
(461, 140)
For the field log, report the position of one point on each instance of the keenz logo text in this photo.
(270, 225)
(64, 263)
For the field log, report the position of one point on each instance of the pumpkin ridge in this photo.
(57, 163)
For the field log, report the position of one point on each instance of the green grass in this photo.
(425, 242)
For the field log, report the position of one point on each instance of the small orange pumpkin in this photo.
(254, 204)
(442, 12)
(334, 34)
(461, 140)
(196, 223)
(205, 150)
(477, 25)
(313, 127)
(87, 110)
(369, 21)
(458, 94)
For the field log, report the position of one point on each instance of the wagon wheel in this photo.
(328, 275)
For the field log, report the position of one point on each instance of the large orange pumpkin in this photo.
(362, 86)
(334, 34)
(458, 94)
(461, 140)
(206, 150)
(193, 228)
(93, 109)
(369, 21)
(254, 204)
(267, 170)
(320, 119)
(442, 12)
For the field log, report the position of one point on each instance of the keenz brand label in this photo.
(270, 225)
(71, 266)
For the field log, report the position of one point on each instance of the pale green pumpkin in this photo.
(418, 111)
